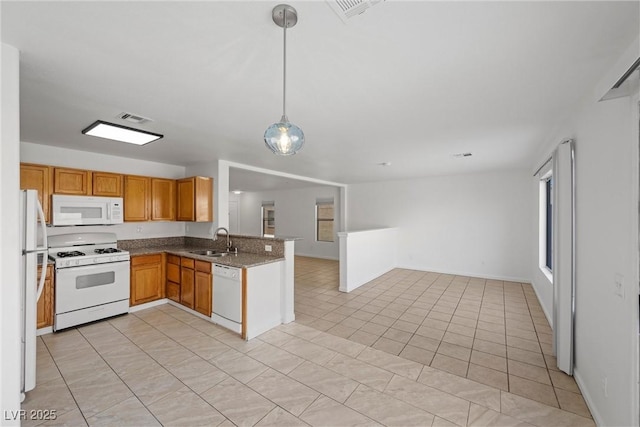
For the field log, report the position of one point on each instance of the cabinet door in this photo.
(173, 291)
(185, 199)
(204, 199)
(136, 198)
(37, 177)
(203, 293)
(71, 181)
(45, 303)
(187, 279)
(163, 199)
(107, 184)
(146, 278)
(195, 199)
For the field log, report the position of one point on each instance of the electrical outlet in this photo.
(267, 248)
(604, 386)
(139, 229)
(618, 283)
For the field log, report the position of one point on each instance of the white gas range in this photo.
(92, 278)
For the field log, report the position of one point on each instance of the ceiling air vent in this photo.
(347, 9)
(463, 155)
(133, 118)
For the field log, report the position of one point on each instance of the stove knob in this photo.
(95, 260)
(111, 259)
(67, 263)
(77, 262)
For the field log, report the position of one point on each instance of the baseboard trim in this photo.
(148, 305)
(319, 257)
(587, 398)
(544, 309)
(188, 310)
(465, 273)
(44, 331)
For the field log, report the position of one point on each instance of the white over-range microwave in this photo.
(86, 210)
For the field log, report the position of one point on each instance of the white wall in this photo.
(44, 154)
(476, 225)
(295, 217)
(606, 329)
(56, 156)
(365, 255)
(10, 245)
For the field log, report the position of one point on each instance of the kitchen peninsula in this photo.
(249, 292)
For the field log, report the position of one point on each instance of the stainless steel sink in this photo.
(210, 253)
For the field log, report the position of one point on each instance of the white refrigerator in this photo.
(33, 235)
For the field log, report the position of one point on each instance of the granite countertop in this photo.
(240, 260)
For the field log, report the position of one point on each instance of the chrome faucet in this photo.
(215, 236)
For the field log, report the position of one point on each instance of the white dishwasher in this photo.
(227, 297)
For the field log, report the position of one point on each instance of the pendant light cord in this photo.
(284, 67)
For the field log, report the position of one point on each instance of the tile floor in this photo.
(163, 366)
(489, 331)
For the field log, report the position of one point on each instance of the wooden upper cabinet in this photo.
(71, 181)
(195, 199)
(163, 199)
(107, 184)
(137, 191)
(37, 177)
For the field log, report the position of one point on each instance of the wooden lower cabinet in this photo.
(173, 278)
(187, 281)
(203, 288)
(45, 302)
(146, 278)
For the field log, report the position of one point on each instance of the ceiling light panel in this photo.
(120, 133)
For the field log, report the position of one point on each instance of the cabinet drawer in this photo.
(173, 291)
(173, 259)
(173, 273)
(146, 259)
(187, 262)
(203, 266)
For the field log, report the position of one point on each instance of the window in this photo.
(549, 225)
(268, 219)
(324, 220)
(546, 224)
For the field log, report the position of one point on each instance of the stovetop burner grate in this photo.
(106, 251)
(70, 254)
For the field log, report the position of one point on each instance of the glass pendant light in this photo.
(284, 138)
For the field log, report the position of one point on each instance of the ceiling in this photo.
(406, 82)
(252, 181)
